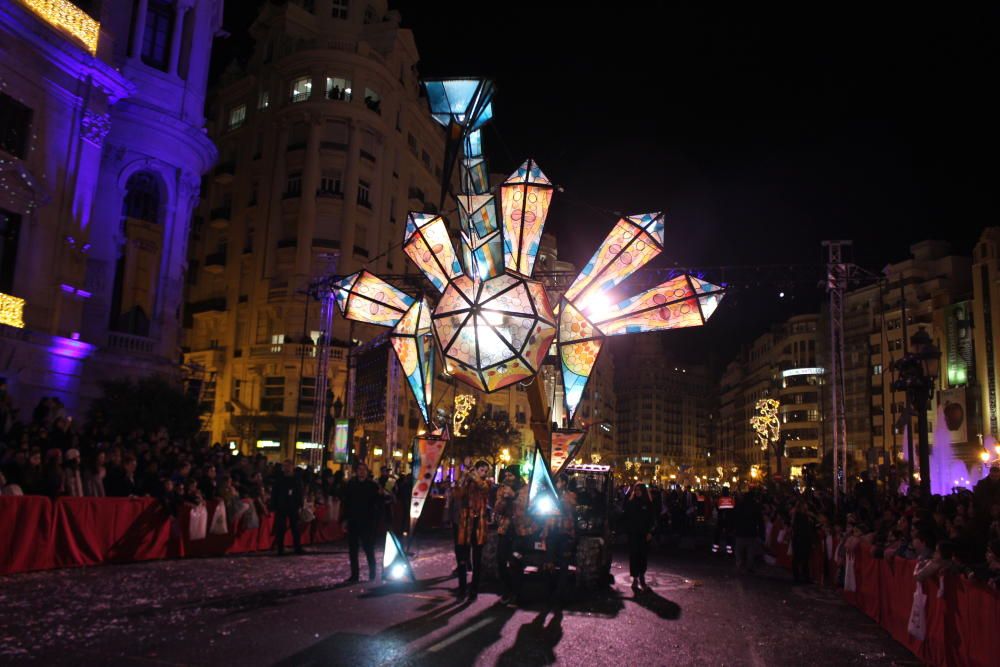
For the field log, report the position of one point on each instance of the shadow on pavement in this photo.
(395, 588)
(468, 640)
(659, 605)
(536, 642)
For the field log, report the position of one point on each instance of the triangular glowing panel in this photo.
(495, 332)
(565, 444)
(525, 198)
(364, 297)
(710, 296)
(675, 304)
(579, 347)
(542, 497)
(427, 243)
(481, 239)
(634, 241)
(474, 144)
(414, 345)
(465, 102)
(395, 564)
(427, 452)
(475, 176)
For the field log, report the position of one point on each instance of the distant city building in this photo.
(985, 314)
(102, 148)
(664, 409)
(934, 288)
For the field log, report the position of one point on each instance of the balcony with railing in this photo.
(295, 350)
(129, 343)
(219, 217)
(225, 171)
(216, 262)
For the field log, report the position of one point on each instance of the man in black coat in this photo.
(286, 501)
(747, 528)
(361, 505)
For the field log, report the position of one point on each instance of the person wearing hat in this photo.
(503, 513)
(72, 480)
(474, 492)
(987, 491)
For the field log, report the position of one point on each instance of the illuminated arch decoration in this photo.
(492, 322)
(765, 423)
(395, 564)
(543, 500)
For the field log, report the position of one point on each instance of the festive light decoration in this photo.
(565, 444)
(765, 423)
(395, 564)
(493, 323)
(11, 311)
(463, 406)
(66, 16)
(427, 453)
(542, 497)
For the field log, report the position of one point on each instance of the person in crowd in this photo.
(360, 507)
(942, 562)
(94, 474)
(803, 534)
(503, 514)
(54, 473)
(72, 479)
(474, 491)
(558, 535)
(724, 509)
(121, 482)
(987, 490)
(747, 530)
(286, 501)
(640, 518)
(989, 571)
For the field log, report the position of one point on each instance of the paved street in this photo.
(263, 610)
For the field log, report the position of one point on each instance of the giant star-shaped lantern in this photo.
(493, 323)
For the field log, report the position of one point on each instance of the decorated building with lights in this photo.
(102, 148)
(985, 313)
(785, 364)
(326, 144)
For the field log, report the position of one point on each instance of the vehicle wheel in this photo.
(590, 566)
(489, 572)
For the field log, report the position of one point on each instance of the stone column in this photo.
(277, 191)
(177, 35)
(139, 29)
(347, 240)
(307, 203)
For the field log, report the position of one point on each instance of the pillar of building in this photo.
(178, 32)
(347, 235)
(307, 204)
(139, 28)
(273, 224)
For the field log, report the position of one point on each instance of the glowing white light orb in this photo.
(545, 505)
(398, 571)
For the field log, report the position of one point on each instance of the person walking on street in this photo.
(474, 491)
(361, 506)
(747, 529)
(286, 501)
(723, 530)
(639, 521)
(803, 532)
(503, 512)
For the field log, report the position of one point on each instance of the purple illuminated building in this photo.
(102, 149)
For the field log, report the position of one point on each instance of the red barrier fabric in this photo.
(26, 534)
(963, 617)
(39, 534)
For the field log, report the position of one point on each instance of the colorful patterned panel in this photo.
(492, 348)
(478, 212)
(541, 300)
(515, 330)
(414, 348)
(342, 291)
(672, 305)
(463, 101)
(455, 298)
(467, 375)
(427, 453)
(573, 325)
(463, 349)
(501, 283)
(525, 199)
(374, 301)
(578, 361)
(627, 248)
(538, 344)
(506, 374)
(430, 248)
(488, 257)
(565, 444)
(475, 176)
(447, 326)
(711, 296)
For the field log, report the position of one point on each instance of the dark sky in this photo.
(759, 131)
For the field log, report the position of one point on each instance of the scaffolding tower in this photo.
(838, 274)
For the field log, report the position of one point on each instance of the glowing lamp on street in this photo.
(395, 564)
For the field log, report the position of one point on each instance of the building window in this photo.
(157, 35)
(273, 399)
(15, 126)
(142, 198)
(301, 89)
(237, 385)
(237, 115)
(338, 88)
(10, 231)
(254, 189)
(330, 184)
(369, 14)
(411, 141)
(339, 10)
(364, 194)
(264, 100)
(277, 341)
(373, 100)
(307, 394)
(294, 186)
(877, 369)
(309, 6)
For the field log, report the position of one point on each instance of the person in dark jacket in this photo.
(803, 534)
(286, 501)
(747, 528)
(361, 505)
(640, 518)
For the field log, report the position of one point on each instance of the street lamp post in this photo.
(916, 374)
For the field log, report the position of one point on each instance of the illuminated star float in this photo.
(492, 322)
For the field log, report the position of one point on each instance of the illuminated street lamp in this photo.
(916, 374)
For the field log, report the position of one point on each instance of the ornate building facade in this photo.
(102, 147)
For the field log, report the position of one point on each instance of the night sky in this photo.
(759, 131)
